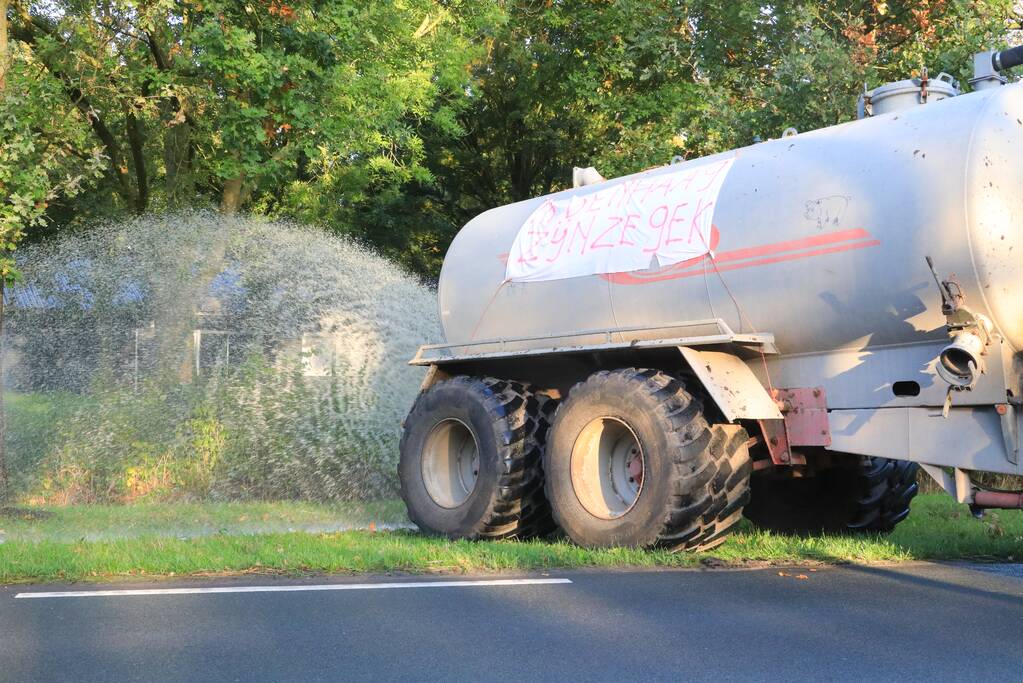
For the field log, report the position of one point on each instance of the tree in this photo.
(44, 153)
(628, 84)
(237, 100)
(397, 122)
(380, 189)
(835, 50)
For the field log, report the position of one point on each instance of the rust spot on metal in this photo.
(998, 499)
(806, 415)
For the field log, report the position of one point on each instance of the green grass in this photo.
(30, 422)
(114, 522)
(937, 529)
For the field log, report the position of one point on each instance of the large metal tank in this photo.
(822, 242)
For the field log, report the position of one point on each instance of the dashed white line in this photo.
(131, 592)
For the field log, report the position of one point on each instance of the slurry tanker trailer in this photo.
(790, 330)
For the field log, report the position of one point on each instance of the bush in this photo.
(203, 356)
(259, 431)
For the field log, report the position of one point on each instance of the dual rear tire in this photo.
(629, 460)
(859, 495)
(470, 460)
(632, 462)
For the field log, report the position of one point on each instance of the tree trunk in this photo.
(4, 489)
(138, 159)
(231, 200)
(177, 144)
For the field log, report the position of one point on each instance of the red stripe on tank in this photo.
(635, 279)
(792, 245)
(747, 257)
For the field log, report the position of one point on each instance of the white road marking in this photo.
(290, 589)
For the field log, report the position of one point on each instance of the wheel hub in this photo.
(450, 463)
(607, 468)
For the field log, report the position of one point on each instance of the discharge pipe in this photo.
(961, 362)
(1007, 59)
(1005, 500)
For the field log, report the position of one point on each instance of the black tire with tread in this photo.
(863, 495)
(537, 520)
(696, 475)
(510, 424)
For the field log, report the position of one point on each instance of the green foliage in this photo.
(835, 51)
(291, 436)
(45, 152)
(198, 355)
(627, 84)
(234, 101)
(397, 122)
(30, 433)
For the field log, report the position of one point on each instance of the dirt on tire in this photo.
(509, 423)
(696, 475)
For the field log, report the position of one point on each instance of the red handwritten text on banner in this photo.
(621, 228)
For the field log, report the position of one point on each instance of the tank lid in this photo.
(910, 92)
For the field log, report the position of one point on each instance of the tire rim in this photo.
(607, 468)
(451, 463)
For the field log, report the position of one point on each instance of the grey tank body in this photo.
(835, 223)
(822, 241)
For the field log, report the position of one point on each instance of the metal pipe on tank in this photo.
(988, 67)
(962, 361)
(998, 499)
(1007, 59)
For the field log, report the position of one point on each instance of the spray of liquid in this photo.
(198, 356)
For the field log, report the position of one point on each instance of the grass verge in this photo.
(188, 520)
(937, 529)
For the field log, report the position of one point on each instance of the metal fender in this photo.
(733, 386)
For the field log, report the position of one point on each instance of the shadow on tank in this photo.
(873, 366)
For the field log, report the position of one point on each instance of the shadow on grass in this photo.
(24, 514)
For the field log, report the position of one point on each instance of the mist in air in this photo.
(197, 356)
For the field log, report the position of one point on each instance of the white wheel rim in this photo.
(450, 463)
(607, 468)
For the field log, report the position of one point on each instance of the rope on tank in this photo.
(739, 308)
(476, 328)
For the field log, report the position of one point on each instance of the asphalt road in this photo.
(919, 622)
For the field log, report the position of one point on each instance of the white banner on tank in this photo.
(652, 219)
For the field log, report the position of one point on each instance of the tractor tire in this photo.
(864, 495)
(631, 461)
(537, 519)
(469, 463)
